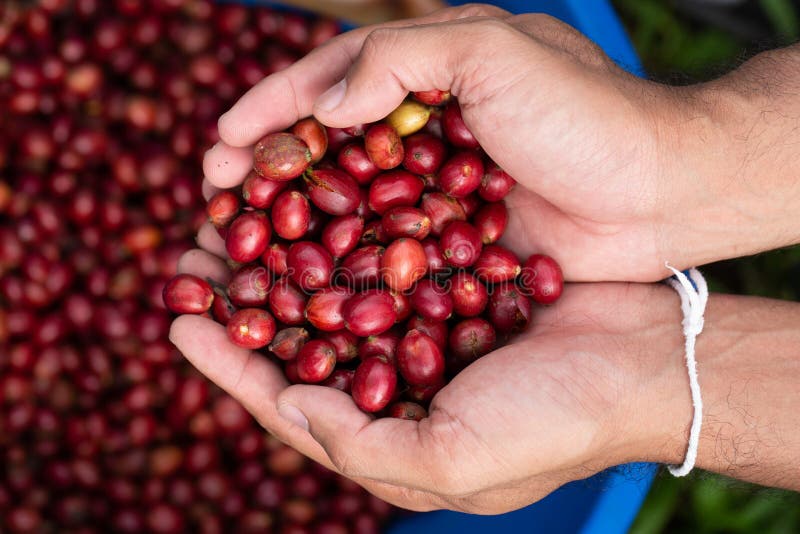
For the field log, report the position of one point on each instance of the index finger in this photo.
(280, 100)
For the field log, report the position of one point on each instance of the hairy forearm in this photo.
(731, 149)
(749, 371)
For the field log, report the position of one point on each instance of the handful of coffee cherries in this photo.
(367, 258)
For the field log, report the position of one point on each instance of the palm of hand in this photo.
(518, 419)
(589, 246)
(530, 416)
(555, 387)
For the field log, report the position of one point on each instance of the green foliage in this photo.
(784, 18)
(703, 503)
(668, 44)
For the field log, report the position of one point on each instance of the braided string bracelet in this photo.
(693, 290)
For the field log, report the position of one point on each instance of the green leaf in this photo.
(783, 16)
(659, 507)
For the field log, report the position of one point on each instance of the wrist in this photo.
(749, 373)
(653, 422)
(728, 162)
(747, 361)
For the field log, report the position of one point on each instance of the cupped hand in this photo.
(594, 149)
(570, 397)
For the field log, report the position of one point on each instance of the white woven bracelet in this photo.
(693, 291)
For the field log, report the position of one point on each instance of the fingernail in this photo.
(293, 415)
(330, 99)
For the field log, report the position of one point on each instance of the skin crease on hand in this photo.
(599, 378)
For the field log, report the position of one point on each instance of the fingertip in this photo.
(226, 166)
(195, 335)
(204, 265)
(175, 330)
(209, 189)
(208, 239)
(225, 130)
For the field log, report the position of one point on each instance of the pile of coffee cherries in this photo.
(106, 110)
(369, 252)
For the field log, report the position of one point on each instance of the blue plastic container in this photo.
(608, 502)
(594, 18)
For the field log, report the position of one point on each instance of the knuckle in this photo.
(481, 10)
(378, 41)
(288, 88)
(545, 19)
(558, 35)
(538, 22)
(342, 461)
(494, 30)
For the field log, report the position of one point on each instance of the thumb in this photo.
(357, 444)
(396, 60)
